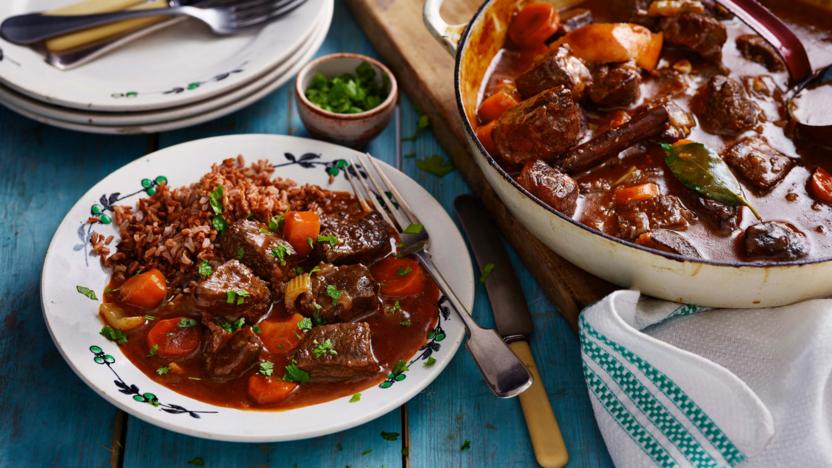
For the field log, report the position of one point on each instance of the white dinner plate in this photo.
(133, 119)
(254, 95)
(74, 325)
(174, 67)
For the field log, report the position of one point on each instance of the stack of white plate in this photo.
(174, 78)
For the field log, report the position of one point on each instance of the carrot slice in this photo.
(268, 390)
(146, 290)
(281, 337)
(624, 195)
(399, 276)
(533, 24)
(493, 106)
(600, 43)
(485, 134)
(298, 227)
(174, 338)
(820, 185)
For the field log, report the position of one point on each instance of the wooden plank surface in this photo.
(396, 29)
(51, 418)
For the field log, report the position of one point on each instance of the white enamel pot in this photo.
(658, 274)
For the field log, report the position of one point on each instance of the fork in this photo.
(36, 27)
(504, 373)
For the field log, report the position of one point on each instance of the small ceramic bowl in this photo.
(354, 130)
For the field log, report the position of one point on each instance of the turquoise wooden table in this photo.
(50, 418)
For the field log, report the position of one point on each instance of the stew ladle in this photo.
(810, 93)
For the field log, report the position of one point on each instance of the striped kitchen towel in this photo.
(682, 385)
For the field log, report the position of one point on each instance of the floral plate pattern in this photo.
(73, 321)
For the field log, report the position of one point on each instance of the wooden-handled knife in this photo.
(514, 323)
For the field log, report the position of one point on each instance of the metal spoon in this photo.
(810, 93)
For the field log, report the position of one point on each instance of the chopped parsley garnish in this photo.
(414, 228)
(153, 350)
(465, 445)
(421, 124)
(233, 326)
(215, 199)
(404, 271)
(241, 252)
(266, 368)
(163, 370)
(436, 165)
(430, 361)
(486, 272)
(305, 324)
(256, 329)
(186, 323)
(391, 436)
(405, 323)
(197, 461)
(150, 318)
(205, 269)
(276, 222)
(355, 397)
(333, 292)
(281, 250)
(323, 348)
(113, 334)
(396, 307)
(86, 292)
(399, 367)
(310, 242)
(329, 239)
(295, 374)
(219, 223)
(236, 296)
(349, 93)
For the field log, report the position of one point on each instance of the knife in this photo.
(514, 323)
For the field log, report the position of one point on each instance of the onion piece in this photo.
(115, 317)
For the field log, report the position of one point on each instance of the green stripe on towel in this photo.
(655, 411)
(651, 447)
(689, 408)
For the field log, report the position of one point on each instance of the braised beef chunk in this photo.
(541, 127)
(338, 352)
(631, 11)
(233, 291)
(555, 188)
(774, 240)
(679, 122)
(615, 86)
(668, 241)
(661, 212)
(260, 249)
(725, 219)
(757, 49)
(724, 107)
(573, 19)
(237, 355)
(341, 294)
(557, 68)
(347, 238)
(700, 33)
(758, 163)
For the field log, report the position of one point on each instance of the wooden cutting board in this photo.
(425, 71)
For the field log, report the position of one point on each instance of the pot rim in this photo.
(470, 133)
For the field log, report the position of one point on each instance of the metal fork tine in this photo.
(358, 195)
(382, 206)
(249, 4)
(258, 17)
(403, 206)
(365, 192)
(386, 195)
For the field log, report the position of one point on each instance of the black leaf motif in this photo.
(174, 411)
(222, 76)
(194, 415)
(306, 165)
(290, 156)
(176, 90)
(104, 202)
(113, 198)
(1, 54)
(309, 157)
(77, 247)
